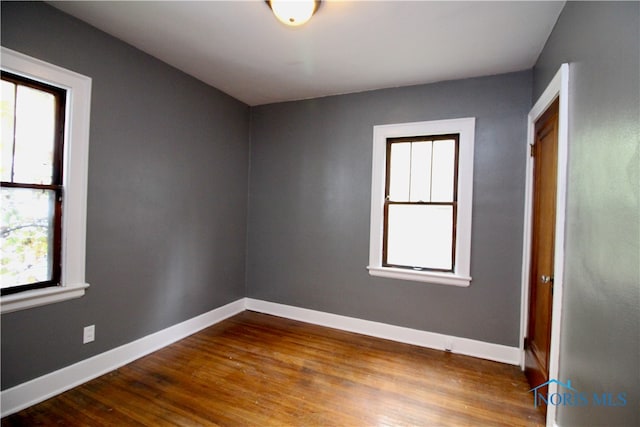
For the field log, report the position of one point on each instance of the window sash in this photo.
(58, 142)
(56, 178)
(388, 202)
(385, 243)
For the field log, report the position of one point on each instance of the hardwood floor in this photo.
(260, 370)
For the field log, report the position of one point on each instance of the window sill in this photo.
(420, 276)
(39, 297)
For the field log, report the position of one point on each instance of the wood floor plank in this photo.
(260, 370)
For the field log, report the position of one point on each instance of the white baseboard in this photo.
(39, 389)
(469, 347)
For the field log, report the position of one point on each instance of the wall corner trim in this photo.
(483, 350)
(39, 389)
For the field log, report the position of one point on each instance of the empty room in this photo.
(320, 213)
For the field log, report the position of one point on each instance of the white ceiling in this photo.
(348, 46)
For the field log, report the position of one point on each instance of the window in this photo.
(420, 202)
(44, 170)
(31, 171)
(422, 187)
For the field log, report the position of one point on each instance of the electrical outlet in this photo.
(89, 334)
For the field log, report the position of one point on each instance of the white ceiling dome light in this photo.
(294, 12)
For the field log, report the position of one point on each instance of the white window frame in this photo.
(465, 127)
(76, 153)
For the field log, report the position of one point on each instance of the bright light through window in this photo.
(420, 236)
(33, 158)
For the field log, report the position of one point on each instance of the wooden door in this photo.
(545, 153)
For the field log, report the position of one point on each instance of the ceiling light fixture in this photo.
(293, 12)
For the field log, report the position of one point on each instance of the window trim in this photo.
(465, 127)
(78, 109)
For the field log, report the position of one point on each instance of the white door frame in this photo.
(557, 88)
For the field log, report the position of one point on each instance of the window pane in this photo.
(420, 236)
(27, 236)
(444, 156)
(420, 171)
(35, 130)
(6, 123)
(400, 171)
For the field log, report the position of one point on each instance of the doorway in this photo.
(556, 91)
(541, 274)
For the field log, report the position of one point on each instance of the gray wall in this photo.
(166, 199)
(600, 344)
(309, 203)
